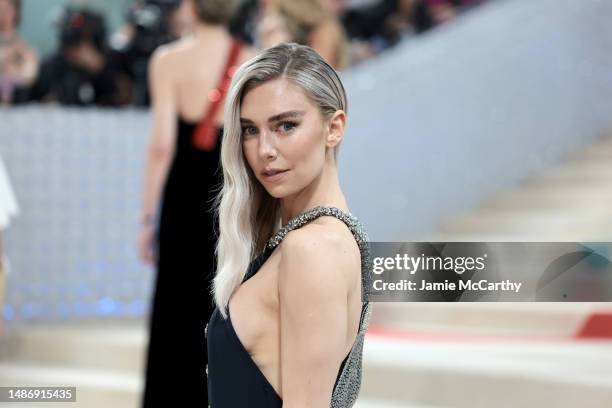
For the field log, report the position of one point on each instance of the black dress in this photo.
(231, 361)
(182, 304)
(235, 380)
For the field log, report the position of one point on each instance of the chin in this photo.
(277, 192)
(281, 191)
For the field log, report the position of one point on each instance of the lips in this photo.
(273, 174)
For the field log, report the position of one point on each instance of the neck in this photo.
(323, 191)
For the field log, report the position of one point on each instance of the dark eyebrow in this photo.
(276, 118)
(286, 115)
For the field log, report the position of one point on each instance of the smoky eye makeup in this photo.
(247, 127)
(248, 130)
(284, 122)
(287, 126)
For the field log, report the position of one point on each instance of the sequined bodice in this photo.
(227, 356)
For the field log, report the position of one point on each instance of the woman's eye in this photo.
(287, 126)
(249, 130)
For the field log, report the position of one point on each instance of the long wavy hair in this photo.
(247, 214)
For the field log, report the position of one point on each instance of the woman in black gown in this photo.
(291, 306)
(188, 81)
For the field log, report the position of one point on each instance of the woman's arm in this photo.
(313, 293)
(161, 147)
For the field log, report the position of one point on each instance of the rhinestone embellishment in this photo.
(301, 219)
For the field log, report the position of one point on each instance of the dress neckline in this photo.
(249, 358)
(258, 262)
(252, 362)
(349, 219)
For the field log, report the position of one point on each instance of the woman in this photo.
(8, 209)
(307, 22)
(18, 61)
(288, 326)
(187, 81)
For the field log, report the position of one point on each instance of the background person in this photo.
(187, 81)
(8, 209)
(83, 71)
(149, 24)
(18, 61)
(306, 22)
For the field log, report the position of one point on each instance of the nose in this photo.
(267, 146)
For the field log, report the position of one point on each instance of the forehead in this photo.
(273, 97)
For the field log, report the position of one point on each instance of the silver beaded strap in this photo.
(351, 222)
(307, 216)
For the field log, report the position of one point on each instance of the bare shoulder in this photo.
(161, 61)
(323, 250)
(169, 56)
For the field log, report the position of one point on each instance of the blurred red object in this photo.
(597, 325)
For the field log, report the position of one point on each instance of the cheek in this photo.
(308, 153)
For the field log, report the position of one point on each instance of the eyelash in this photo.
(244, 130)
(292, 125)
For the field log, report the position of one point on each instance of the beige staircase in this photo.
(484, 374)
(571, 201)
(505, 354)
(397, 373)
(102, 359)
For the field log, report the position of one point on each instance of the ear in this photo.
(335, 128)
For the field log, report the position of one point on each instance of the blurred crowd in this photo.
(94, 67)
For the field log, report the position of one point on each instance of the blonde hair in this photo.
(216, 11)
(247, 214)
